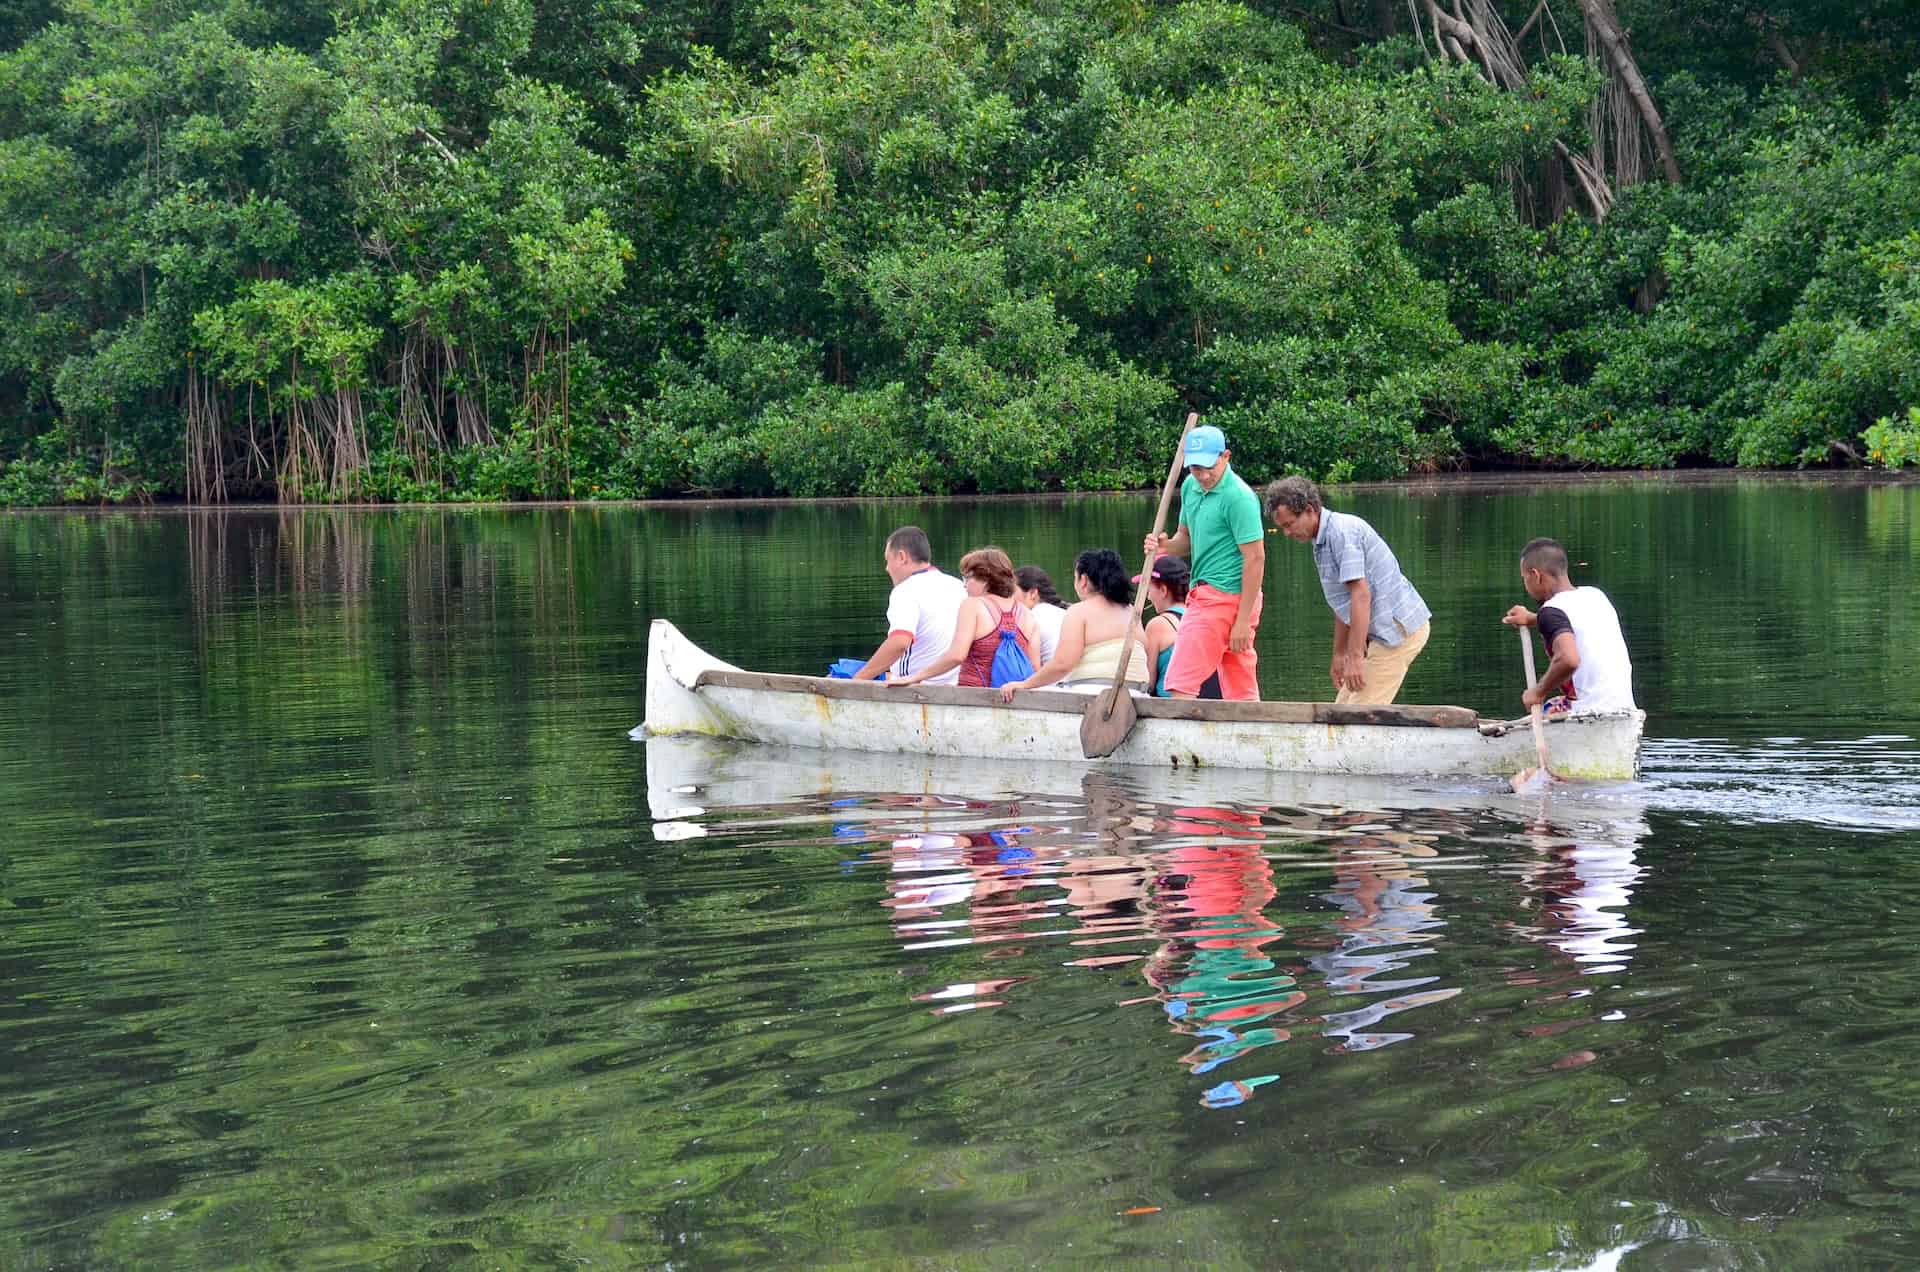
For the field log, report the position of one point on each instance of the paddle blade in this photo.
(1107, 722)
(1531, 779)
(1534, 777)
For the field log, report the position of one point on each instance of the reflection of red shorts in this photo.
(1201, 648)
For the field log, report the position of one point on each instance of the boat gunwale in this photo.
(1065, 703)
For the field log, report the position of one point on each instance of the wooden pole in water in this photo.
(1534, 714)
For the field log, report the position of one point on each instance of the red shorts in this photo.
(1201, 648)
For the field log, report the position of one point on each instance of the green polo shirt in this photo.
(1218, 521)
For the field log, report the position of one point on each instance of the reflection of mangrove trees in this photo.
(334, 931)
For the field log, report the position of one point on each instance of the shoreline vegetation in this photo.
(504, 251)
(1435, 484)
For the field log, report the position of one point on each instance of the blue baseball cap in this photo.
(1205, 446)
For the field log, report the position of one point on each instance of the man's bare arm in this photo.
(1359, 622)
(896, 644)
(1253, 570)
(1566, 661)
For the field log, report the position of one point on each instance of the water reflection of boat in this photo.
(691, 692)
(1584, 889)
(1001, 873)
(1388, 919)
(686, 775)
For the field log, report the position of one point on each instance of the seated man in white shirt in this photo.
(920, 611)
(1581, 632)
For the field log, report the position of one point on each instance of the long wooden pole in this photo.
(1159, 526)
(1534, 713)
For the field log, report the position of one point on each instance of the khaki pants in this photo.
(1386, 669)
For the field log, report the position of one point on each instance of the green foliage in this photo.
(1895, 443)
(55, 469)
(827, 442)
(695, 433)
(404, 249)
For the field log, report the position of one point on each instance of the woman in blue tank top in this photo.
(1167, 585)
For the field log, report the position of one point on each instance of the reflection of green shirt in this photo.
(1218, 521)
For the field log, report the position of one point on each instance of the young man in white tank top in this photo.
(1582, 635)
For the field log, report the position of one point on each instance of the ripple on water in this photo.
(334, 931)
(1258, 960)
(1245, 927)
(1864, 783)
(1012, 1005)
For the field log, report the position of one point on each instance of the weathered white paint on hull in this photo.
(1598, 747)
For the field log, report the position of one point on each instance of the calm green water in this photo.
(342, 925)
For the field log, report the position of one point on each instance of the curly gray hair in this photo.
(1295, 494)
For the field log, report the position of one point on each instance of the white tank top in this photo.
(1604, 679)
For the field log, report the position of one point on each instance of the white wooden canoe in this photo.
(689, 691)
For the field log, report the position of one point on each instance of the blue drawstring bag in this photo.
(843, 668)
(1010, 661)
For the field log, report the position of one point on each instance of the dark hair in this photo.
(1109, 578)
(1545, 555)
(1172, 573)
(1031, 578)
(1296, 494)
(911, 540)
(992, 567)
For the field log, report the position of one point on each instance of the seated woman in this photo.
(1096, 633)
(989, 610)
(1167, 586)
(1033, 588)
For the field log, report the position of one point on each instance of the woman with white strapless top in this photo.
(1094, 632)
(1034, 588)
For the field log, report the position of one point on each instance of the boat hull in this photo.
(689, 692)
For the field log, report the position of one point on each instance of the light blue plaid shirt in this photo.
(1347, 548)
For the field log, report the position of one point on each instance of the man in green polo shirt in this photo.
(1221, 532)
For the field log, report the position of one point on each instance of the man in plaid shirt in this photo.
(1380, 624)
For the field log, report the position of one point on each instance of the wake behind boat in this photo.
(689, 691)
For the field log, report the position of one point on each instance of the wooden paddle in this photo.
(1110, 715)
(1521, 778)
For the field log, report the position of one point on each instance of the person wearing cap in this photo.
(1221, 534)
(1380, 624)
(1167, 586)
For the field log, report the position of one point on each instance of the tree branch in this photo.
(1592, 182)
(437, 145)
(1769, 28)
(1527, 26)
(1606, 25)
